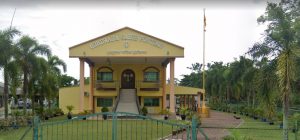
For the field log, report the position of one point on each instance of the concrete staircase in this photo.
(127, 102)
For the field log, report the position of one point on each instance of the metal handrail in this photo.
(137, 103)
(117, 102)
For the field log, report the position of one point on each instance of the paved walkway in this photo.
(214, 125)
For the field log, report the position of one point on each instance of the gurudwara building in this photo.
(127, 72)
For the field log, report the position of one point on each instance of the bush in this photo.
(85, 112)
(49, 113)
(144, 111)
(184, 111)
(40, 112)
(258, 112)
(58, 111)
(104, 109)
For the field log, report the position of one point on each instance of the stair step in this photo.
(127, 102)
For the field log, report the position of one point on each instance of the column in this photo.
(91, 97)
(198, 101)
(81, 85)
(180, 101)
(184, 100)
(164, 106)
(189, 101)
(172, 97)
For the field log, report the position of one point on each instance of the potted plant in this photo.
(69, 108)
(48, 114)
(40, 112)
(257, 113)
(104, 109)
(166, 113)
(144, 111)
(183, 112)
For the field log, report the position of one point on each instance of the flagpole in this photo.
(203, 68)
(12, 19)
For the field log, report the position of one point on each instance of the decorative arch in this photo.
(151, 67)
(105, 67)
(151, 76)
(105, 76)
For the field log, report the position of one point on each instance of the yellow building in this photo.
(127, 71)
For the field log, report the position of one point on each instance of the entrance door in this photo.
(128, 79)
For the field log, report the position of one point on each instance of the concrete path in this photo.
(214, 126)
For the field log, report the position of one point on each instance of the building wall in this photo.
(139, 77)
(70, 96)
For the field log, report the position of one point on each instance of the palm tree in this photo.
(54, 75)
(282, 42)
(6, 57)
(28, 49)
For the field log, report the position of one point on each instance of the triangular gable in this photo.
(126, 42)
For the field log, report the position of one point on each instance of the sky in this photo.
(231, 29)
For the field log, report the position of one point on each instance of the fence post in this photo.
(194, 128)
(296, 129)
(114, 126)
(35, 128)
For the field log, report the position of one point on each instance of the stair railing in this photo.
(137, 102)
(117, 101)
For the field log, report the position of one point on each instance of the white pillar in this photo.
(81, 96)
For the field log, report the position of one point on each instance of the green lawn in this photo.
(256, 130)
(93, 129)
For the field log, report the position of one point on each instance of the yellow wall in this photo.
(139, 77)
(70, 96)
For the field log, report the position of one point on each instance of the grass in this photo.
(60, 128)
(256, 130)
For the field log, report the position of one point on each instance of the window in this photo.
(151, 102)
(104, 76)
(104, 102)
(150, 76)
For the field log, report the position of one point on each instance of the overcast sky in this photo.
(231, 27)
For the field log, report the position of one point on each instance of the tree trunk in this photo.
(248, 98)
(33, 105)
(49, 105)
(25, 85)
(253, 98)
(5, 94)
(285, 116)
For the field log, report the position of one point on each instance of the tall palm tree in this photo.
(282, 42)
(54, 76)
(6, 56)
(28, 50)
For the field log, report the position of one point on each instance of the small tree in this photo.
(144, 111)
(69, 108)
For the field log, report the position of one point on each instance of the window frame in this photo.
(101, 76)
(101, 100)
(151, 69)
(153, 103)
(104, 69)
